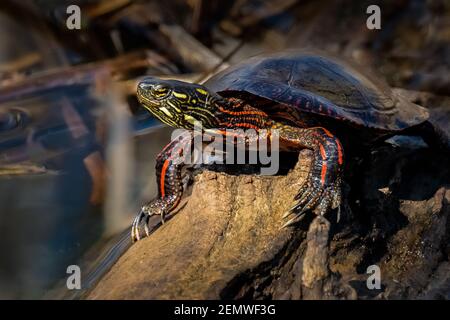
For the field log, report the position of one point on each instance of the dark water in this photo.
(53, 147)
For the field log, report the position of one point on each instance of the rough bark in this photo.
(227, 242)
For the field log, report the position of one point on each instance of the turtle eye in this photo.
(160, 91)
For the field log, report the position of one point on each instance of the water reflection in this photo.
(44, 213)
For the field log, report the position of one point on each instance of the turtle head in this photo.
(179, 104)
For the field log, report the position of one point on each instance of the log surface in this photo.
(227, 242)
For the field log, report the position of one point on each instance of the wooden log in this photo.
(230, 225)
(226, 243)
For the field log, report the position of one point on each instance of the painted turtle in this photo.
(308, 98)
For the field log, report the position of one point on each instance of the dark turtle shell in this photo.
(320, 85)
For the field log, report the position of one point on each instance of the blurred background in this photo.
(76, 149)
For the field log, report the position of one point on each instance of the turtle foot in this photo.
(140, 228)
(315, 197)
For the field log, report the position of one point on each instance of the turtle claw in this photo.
(310, 205)
(135, 235)
(157, 207)
(290, 211)
(287, 214)
(316, 198)
(309, 197)
(302, 190)
(135, 227)
(147, 231)
(289, 222)
(293, 220)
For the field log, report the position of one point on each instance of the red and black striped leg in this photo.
(322, 190)
(169, 165)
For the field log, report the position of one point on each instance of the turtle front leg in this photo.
(169, 164)
(322, 190)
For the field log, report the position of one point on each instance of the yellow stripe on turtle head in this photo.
(189, 119)
(179, 95)
(202, 91)
(166, 111)
(173, 106)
